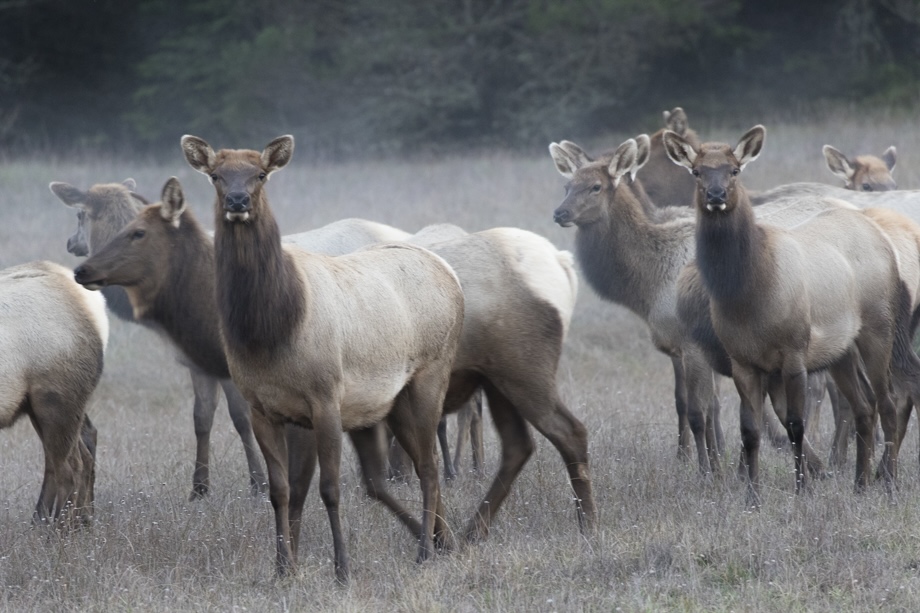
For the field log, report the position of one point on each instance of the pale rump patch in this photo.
(549, 272)
(40, 305)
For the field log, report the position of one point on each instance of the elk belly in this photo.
(368, 400)
(830, 340)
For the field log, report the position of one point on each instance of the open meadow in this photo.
(666, 540)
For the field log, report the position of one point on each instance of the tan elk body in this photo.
(52, 339)
(821, 295)
(331, 344)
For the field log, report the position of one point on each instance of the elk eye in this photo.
(215, 178)
(596, 188)
(262, 176)
(867, 187)
(695, 172)
(138, 234)
(735, 172)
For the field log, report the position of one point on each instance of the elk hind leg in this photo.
(540, 405)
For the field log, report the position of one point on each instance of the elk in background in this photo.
(865, 173)
(664, 186)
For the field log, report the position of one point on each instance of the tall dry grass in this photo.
(667, 540)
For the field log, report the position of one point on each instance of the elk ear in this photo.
(198, 153)
(580, 156)
(890, 157)
(750, 145)
(172, 202)
(678, 149)
(643, 151)
(278, 153)
(69, 195)
(566, 164)
(130, 183)
(624, 158)
(838, 163)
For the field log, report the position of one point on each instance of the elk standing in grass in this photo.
(52, 339)
(327, 343)
(821, 295)
(102, 211)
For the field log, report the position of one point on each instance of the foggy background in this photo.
(367, 77)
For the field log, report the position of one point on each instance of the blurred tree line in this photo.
(407, 75)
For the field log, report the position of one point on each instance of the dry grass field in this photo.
(667, 539)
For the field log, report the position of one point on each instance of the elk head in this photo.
(101, 212)
(865, 173)
(238, 175)
(716, 166)
(591, 183)
(675, 120)
(134, 256)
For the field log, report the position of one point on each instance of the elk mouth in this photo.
(712, 207)
(236, 216)
(563, 219)
(84, 277)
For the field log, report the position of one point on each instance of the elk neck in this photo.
(731, 252)
(183, 303)
(261, 297)
(623, 254)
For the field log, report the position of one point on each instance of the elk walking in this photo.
(53, 335)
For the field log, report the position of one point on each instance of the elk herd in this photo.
(362, 328)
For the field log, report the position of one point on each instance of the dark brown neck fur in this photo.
(260, 296)
(731, 254)
(185, 305)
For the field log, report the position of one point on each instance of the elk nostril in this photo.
(237, 201)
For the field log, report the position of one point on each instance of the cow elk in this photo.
(865, 173)
(825, 294)
(331, 344)
(102, 211)
(52, 340)
(664, 186)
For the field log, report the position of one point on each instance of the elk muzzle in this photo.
(237, 206)
(76, 246)
(716, 197)
(563, 217)
(88, 278)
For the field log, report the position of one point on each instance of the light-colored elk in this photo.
(331, 344)
(864, 173)
(52, 340)
(102, 211)
(905, 202)
(821, 295)
(664, 186)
